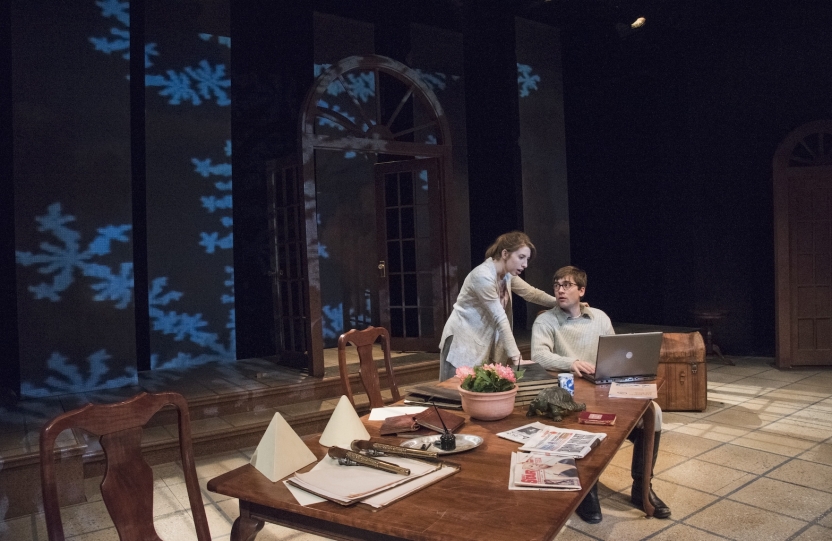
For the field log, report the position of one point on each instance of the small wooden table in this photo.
(473, 504)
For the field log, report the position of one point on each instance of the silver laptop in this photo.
(626, 358)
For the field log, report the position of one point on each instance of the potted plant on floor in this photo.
(488, 391)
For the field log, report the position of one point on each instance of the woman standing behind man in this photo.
(479, 328)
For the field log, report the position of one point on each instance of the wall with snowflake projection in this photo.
(74, 196)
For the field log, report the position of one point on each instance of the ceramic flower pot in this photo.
(488, 406)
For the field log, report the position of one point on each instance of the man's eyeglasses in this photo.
(565, 285)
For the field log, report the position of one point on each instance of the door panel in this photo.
(409, 247)
(810, 248)
(289, 276)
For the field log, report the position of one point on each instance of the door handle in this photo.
(382, 269)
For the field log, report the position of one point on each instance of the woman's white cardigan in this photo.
(481, 327)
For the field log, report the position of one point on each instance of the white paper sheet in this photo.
(304, 498)
(380, 414)
(388, 496)
(633, 390)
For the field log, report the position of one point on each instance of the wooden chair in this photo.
(363, 342)
(127, 487)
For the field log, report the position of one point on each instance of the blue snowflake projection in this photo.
(333, 321)
(190, 327)
(65, 376)
(222, 40)
(62, 261)
(526, 79)
(210, 81)
(434, 81)
(333, 317)
(221, 203)
(119, 11)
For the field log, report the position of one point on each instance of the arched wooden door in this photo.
(803, 246)
(385, 109)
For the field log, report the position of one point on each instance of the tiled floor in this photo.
(756, 465)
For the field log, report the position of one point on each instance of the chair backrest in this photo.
(127, 487)
(368, 372)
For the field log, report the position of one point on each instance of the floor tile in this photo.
(681, 500)
(815, 533)
(165, 502)
(85, 517)
(744, 371)
(23, 528)
(785, 376)
(743, 417)
(218, 464)
(706, 428)
(798, 428)
(621, 521)
(683, 532)
(786, 498)
(614, 479)
(701, 475)
(773, 443)
(570, 534)
(718, 376)
(808, 474)
(682, 444)
(177, 526)
(743, 458)
(744, 523)
(821, 453)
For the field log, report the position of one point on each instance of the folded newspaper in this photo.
(542, 472)
(563, 442)
(524, 433)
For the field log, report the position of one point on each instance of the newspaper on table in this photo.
(524, 433)
(531, 471)
(563, 442)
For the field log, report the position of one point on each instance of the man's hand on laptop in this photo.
(580, 367)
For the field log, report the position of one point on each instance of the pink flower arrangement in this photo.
(488, 378)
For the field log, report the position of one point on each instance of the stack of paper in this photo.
(347, 485)
(531, 471)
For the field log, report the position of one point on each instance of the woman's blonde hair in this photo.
(511, 242)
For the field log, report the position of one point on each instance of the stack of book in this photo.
(535, 379)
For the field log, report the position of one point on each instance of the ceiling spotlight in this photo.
(638, 23)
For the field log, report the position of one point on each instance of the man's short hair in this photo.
(578, 276)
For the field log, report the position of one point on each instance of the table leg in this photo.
(245, 528)
(649, 440)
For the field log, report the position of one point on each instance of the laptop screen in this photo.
(623, 357)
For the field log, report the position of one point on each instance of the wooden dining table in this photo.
(473, 504)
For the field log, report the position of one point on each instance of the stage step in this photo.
(220, 423)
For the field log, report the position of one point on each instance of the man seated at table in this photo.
(565, 338)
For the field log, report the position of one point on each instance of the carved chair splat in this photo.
(368, 372)
(127, 487)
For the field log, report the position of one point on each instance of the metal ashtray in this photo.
(464, 442)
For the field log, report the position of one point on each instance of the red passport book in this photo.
(590, 418)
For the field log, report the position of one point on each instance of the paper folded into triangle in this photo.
(344, 426)
(280, 451)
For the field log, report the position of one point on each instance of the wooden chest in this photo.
(683, 367)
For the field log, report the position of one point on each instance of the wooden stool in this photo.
(708, 317)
